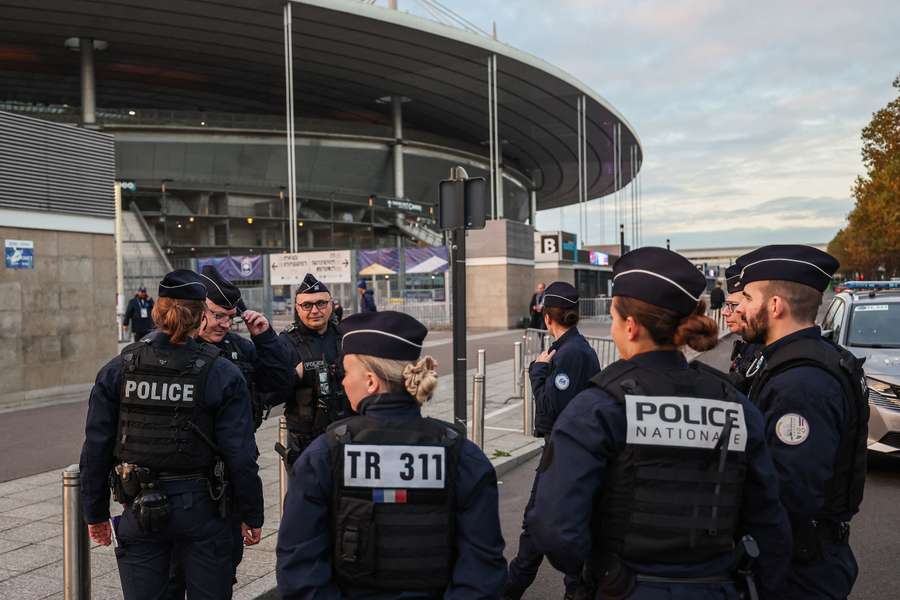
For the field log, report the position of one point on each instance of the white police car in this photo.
(865, 318)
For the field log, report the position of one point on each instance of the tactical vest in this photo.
(673, 495)
(742, 356)
(844, 491)
(393, 501)
(158, 416)
(306, 415)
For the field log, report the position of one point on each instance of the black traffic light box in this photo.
(471, 193)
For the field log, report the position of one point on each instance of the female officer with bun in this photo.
(388, 504)
(655, 474)
(169, 420)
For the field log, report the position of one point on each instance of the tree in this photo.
(870, 241)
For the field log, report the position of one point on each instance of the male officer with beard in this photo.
(742, 353)
(813, 396)
(316, 397)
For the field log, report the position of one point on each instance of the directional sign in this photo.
(328, 267)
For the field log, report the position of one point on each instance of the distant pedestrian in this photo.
(337, 312)
(138, 314)
(536, 308)
(717, 297)
(366, 297)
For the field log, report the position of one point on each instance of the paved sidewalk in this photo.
(31, 508)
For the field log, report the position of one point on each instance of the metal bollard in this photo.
(527, 405)
(478, 409)
(76, 544)
(518, 359)
(482, 368)
(282, 468)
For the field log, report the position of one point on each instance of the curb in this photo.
(507, 463)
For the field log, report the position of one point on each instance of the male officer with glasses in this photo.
(743, 353)
(316, 398)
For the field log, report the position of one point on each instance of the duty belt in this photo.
(687, 580)
(175, 476)
(832, 532)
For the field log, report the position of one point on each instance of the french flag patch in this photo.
(389, 496)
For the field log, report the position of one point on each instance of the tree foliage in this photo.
(871, 239)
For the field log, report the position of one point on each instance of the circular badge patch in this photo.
(792, 429)
(562, 382)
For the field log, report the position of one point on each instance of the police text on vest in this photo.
(388, 466)
(159, 390)
(684, 422)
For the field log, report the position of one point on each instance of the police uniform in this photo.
(318, 399)
(263, 361)
(167, 425)
(554, 384)
(654, 474)
(743, 353)
(813, 396)
(388, 504)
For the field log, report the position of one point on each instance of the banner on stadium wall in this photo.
(235, 268)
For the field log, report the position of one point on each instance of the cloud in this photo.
(751, 109)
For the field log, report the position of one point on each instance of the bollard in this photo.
(282, 468)
(527, 405)
(518, 359)
(76, 544)
(482, 368)
(478, 409)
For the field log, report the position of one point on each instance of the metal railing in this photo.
(535, 341)
(594, 309)
(76, 544)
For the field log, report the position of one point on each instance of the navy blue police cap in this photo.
(386, 334)
(560, 294)
(788, 262)
(361, 284)
(182, 284)
(733, 279)
(220, 290)
(659, 277)
(311, 285)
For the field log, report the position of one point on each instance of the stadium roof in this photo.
(228, 56)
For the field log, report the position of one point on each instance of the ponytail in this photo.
(177, 318)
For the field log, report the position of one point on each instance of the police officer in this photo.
(557, 376)
(388, 504)
(743, 353)
(813, 396)
(169, 426)
(315, 398)
(264, 362)
(655, 473)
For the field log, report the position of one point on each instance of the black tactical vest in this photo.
(673, 495)
(158, 414)
(743, 354)
(393, 502)
(307, 415)
(844, 491)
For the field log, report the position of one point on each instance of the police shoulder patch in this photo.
(562, 381)
(792, 429)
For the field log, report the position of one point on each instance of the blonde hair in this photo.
(419, 379)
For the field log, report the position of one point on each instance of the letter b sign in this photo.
(549, 245)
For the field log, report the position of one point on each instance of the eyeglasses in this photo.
(308, 306)
(222, 317)
(730, 306)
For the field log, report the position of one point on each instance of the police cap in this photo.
(659, 277)
(386, 334)
(788, 262)
(182, 284)
(311, 285)
(218, 289)
(560, 294)
(733, 279)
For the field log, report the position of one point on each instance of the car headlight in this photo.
(883, 388)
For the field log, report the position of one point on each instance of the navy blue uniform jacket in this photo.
(555, 383)
(273, 369)
(226, 396)
(593, 429)
(133, 315)
(304, 538)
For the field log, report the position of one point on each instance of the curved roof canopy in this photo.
(228, 56)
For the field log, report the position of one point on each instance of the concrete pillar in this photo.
(88, 84)
(397, 110)
(532, 210)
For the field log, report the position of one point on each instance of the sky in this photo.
(749, 113)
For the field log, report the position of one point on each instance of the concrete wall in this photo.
(57, 321)
(499, 274)
(548, 276)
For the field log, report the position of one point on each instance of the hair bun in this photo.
(420, 379)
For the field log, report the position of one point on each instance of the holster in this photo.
(151, 508)
(126, 481)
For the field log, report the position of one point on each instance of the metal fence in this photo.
(594, 309)
(434, 315)
(535, 341)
